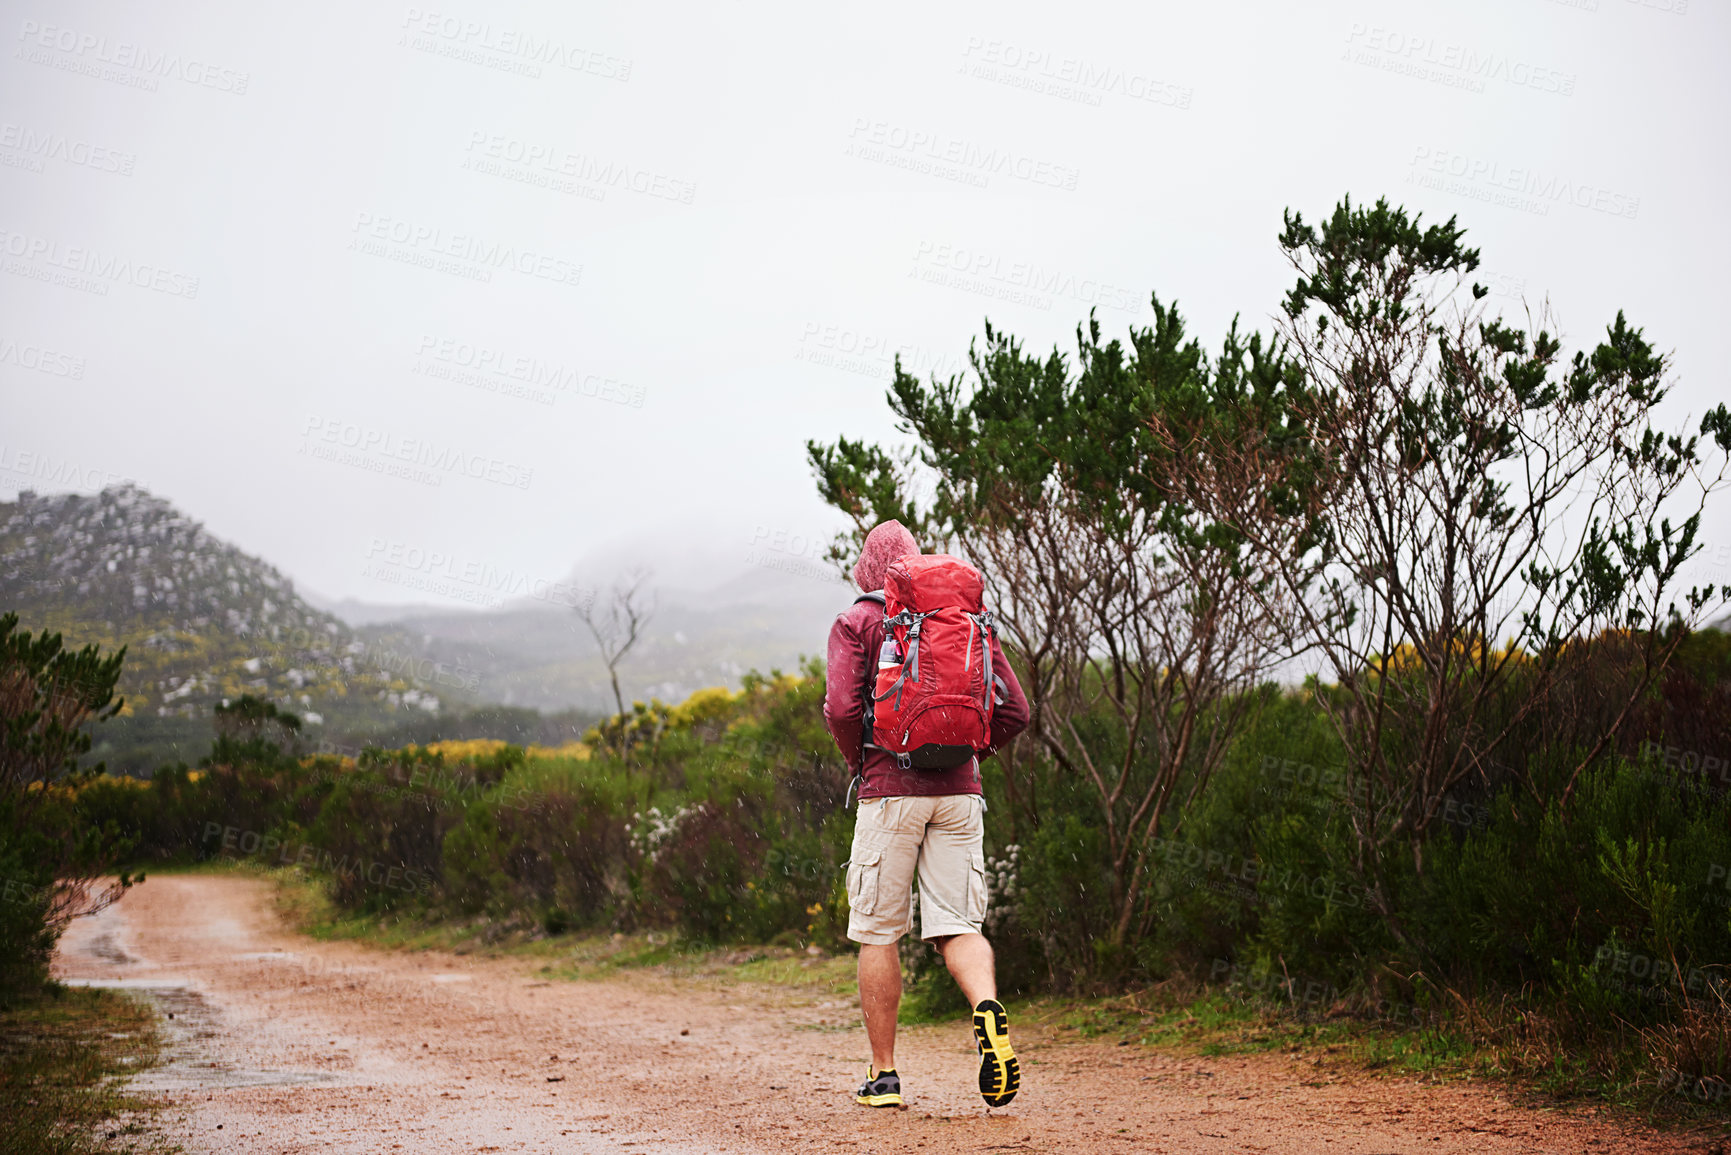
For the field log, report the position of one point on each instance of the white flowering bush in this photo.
(651, 830)
(1001, 877)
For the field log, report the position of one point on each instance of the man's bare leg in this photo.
(880, 997)
(969, 957)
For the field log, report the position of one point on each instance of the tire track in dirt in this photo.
(281, 1044)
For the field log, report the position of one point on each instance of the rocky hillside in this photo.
(201, 620)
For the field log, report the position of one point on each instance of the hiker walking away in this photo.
(918, 692)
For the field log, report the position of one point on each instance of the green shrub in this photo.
(377, 840)
(26, 879)
(552, 845)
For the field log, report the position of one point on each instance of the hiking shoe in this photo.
(1000, 1076)
(881, 1089)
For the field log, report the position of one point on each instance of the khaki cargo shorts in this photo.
(941, 836)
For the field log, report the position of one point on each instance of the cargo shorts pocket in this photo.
(976, 886)
(862, 881)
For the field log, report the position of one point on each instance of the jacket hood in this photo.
(886, 543)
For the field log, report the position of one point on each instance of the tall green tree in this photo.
(1455, 517)
(1127, 614)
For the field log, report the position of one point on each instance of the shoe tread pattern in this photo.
(1000, 1073)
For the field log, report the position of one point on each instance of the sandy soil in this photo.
(281, 1044)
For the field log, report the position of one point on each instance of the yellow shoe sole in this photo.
(1000, 1074)
(878, 1100)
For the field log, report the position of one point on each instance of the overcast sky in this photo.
(278, 262)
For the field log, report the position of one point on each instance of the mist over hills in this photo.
(204, 622)
(539, 654)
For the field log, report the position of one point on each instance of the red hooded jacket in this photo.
(854, 642)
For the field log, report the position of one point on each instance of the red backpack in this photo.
(931, 702)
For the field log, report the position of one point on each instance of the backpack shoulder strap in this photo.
(876, 597)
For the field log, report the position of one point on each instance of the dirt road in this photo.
(281, 1044)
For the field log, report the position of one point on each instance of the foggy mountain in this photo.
(540, 654)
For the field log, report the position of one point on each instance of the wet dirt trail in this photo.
(279, 1043)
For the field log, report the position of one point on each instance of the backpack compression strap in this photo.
(984, 620)
(911, 664)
